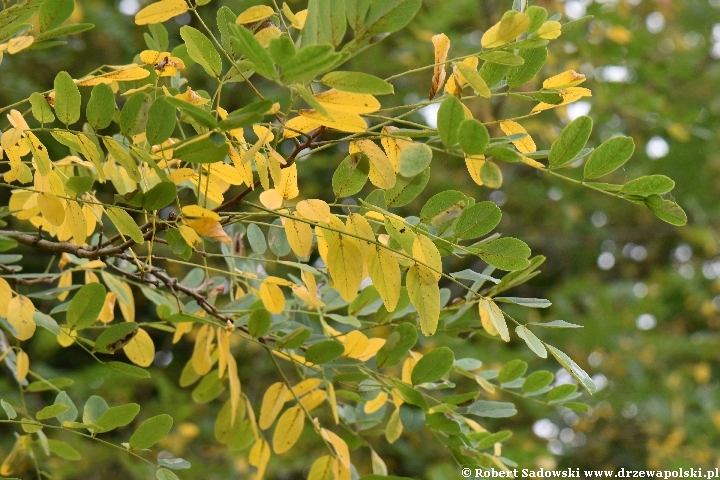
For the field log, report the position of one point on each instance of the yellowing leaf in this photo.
(343, 121)
(394, 146)
(22, 366)
(288, 188)
(441, 43)
(288, 429)
(20, 310)
(424, 250)
(394, 427)
(348, 102)
(255, 14)
(314, 210)
(159, 12)
(259, 457)
(569, 95)
(569, 78)
(385, 274)
(496, 317)
(487, 322)
(300, 237)
(272, 297)
(376, 403)
(424, 294)
(505, 31)
(345, 265)
(209, 228)
(550, 30)
(235, 389)
(524, 145)
(140, 350)
(382, 172)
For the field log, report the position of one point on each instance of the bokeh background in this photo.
(647, 294)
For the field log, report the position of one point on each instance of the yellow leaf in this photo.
(272, 297)
(288, 188)
(127, 73)
(474, 164)
(619, 34)
(313, 399)
(259, 457)
(279, 281)
(374, 345)
(159, 12)
(267, 34)
(394, 427)
(67, 336)
(355, 343)
(341, 449)
(300, 237)
(22, 366)
(302, 388)
(314, 210)
(333, 402)
(505, 31)
(107, 314)
(201, 359)
(382, 172)
(20, 310)
(424, 250)
(471, 62)
(255, 14)
(288, 429)
(345, 265)
(224, 172)
(5, 296)
(322, 468)
(235, 389)
(348, 102)
(343, 121)
(385, 274)
(140, 350)
(550, 30)
(376, 403)
(42, 159)
(299, 126)
(209, 228)
(271, 199)
(199, 212)
(568, 78)
(359, 226)
(407, 369)
(441, 43)
(524, 145)
(19, 43)
(487, 323)
(52, 208)
(425, 296)
(394, 146)
(273, 400)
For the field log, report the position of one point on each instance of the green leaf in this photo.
(325, 22)
(555, 324)
(295, 338)
(571, 141)
(505, 253)
(412, 417)
(151, 431)
(116, 417)
(125, 224)
(94, 408)
(492, 73)
(209, 388)
(537, 15)
(490, 440)
(450, 116)
(387, 16)
(666, 210)
(357, 82)
(491, 175)
(512, 370)
(9, 410)
(261, 61)
(101, 106)
(561, 392)
(443, 207)
(62, 449)
(51, 411)
(308, 63)
(503, 58)
(648, 185)
(161, 121)
(123, 158)
(432, 366)
(534, 58)
(256, 238)
(488, 409)
(201, 50)
(351, 175)
(54, 12)
(474, 79)
(165, 474)
(574, 369)
(311, 100)
(202, 151)
(478, 220)
(503, 153)
(46, 385)
(259, 323)
(525, 302)
(324, 352)
(67, 99)
(246, 116)
(160, 196)
(415, 158)
(548, 96)
(576, 406)
(86, 306)
(58, 32)
(7, 243)
(199, 114)
(406, 189)
(133, 115)
(41, 109)
(397, 345)
(69, 415)
(473, 137)
(575, 24)
(116, 337)
(537, 381)
(609, 156)
(76, 186)
(128, 369)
